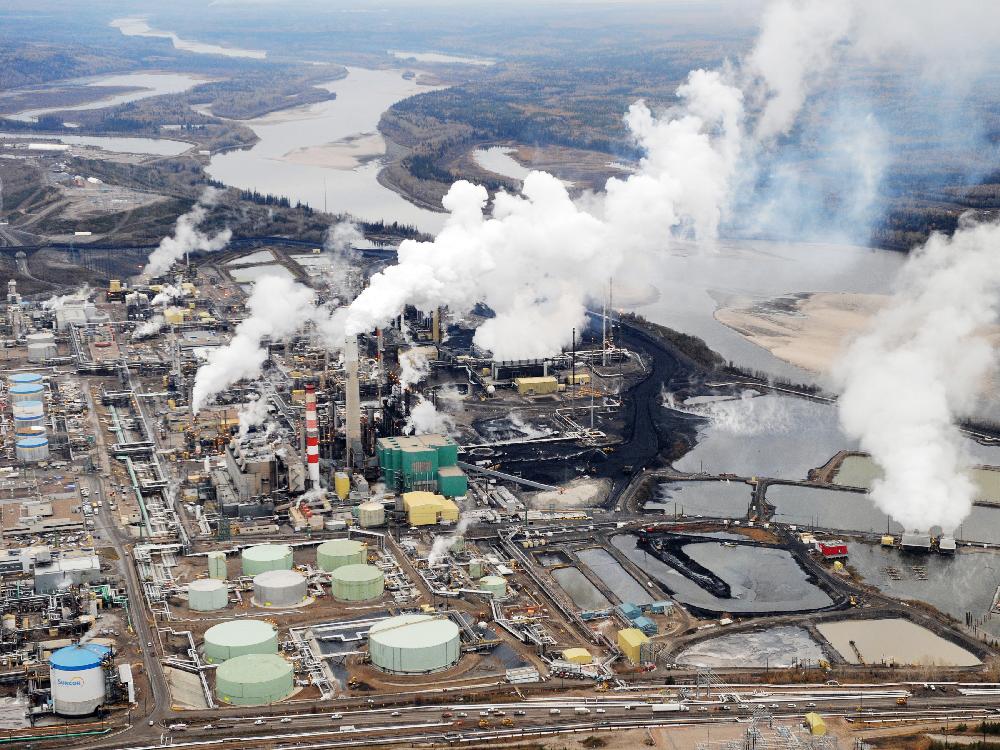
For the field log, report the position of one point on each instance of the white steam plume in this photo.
(56, 302)
(187, 237)
(444, 542)
(167, 294)
(425, 418)
(342, 237)
(252, 414)
(150, 327)
(278, 307)
(920, 366)
(413, 367)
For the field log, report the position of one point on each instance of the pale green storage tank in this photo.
(254, 680)
(207, 594)
(337, 553)
(357, 583)
(493, 584)
(264, 557)
(228, 640)
(414, 644)
(475, 568)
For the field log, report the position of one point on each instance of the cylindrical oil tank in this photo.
(40, 337)
(25, 378)
(494, 585)
(337, 553)
(279, 588)
(414, 644)
(263, 557)
(207, 594)
(26, 392)
(32, 449)
(39, 352)
(239, 637)
(29, 418)
(357, 583)
(27, 409)
(254, 680)
(342, 484)
(76, 674)
(217, 565)
(371, 515)
(475, 568)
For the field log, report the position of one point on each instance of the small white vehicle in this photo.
(554, 711)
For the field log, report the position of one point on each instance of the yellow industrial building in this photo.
(536, 386)
(581, 378)
(577, 656)
(426, 508)
(630, 642)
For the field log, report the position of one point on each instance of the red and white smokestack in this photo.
(312, 437)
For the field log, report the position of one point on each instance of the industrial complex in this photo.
(336, 541)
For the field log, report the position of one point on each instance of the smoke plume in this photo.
(426, 419)
(150, 327)
(413, 367)
(187, 237)
(278, 307)
(167, 294)
(921, 365)
(444, 542)
(252, 414)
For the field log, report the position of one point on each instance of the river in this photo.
(329, 154)
(139, 27)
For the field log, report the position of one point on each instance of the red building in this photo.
(832, 550)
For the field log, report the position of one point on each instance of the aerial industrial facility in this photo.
(309, 540)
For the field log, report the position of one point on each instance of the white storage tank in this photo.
(414, 644)
(26, 392)
(217, 565)
(239, 637)
(29, 418)
(279, 588)
(207, 594)
(39, 352)
(32, 449)
(262, 557)
(76, 674)
(371, 515)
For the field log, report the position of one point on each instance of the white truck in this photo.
(661, 708)
(581, 710)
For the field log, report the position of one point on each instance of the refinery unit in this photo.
(306, 540)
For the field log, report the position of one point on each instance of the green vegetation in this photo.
(691, 346)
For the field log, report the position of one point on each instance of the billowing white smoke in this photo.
(278, 307)
(342, 275)
(921, 365)
(413, 367)
(187, 237)
(167, 294)
(425, 418)
(342, 237)
(444, 542)
(252, 414)
(150, 327)
(527, 429)
(56, 302)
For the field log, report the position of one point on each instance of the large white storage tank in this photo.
(279, 588)
(371, 515)
(29, 418)
(414, 644)
(262, 557)
(207, 594)
(76, 674)
(32, 449)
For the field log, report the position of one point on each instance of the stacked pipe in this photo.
(312, 437)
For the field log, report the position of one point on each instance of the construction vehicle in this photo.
(485, 724)
(901, 701)
(508, 722)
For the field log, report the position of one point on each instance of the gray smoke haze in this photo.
(921, 365)
(187, 237)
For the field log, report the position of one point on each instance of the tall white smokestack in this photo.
(353, 396)
(312, 437)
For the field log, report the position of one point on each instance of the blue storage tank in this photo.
(77, 678)
(24, 378)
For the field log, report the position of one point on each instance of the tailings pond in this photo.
(761, 580)
(614, 576)
(584, 594)
(898, 641)
(784, 646)
(712, 499)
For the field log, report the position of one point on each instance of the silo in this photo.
(26, 392)
(475, 568)
(32, 449)
(207, 594)
(494, 585)
(40, 352)
(279, 588)
(263, 557)
(254, 680)
(414, 644)
(371, 515)
(76, 674)
(29, 418)
(357, 583)
(217, 565)
(337, 553)
(238, 637)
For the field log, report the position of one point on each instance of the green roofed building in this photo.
(421, 462)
